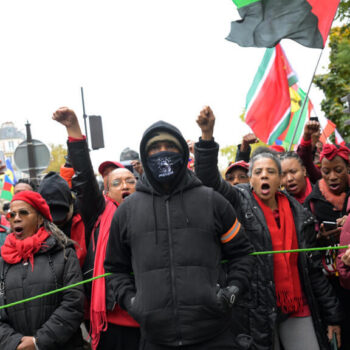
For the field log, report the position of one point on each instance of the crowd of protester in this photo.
(175, 239)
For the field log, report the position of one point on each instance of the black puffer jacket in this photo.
(257, 313)
(53, 320)
(171, 241)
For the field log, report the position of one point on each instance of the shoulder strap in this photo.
(3, 271)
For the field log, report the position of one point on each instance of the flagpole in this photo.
(305, 100)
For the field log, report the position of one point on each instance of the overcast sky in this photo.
(139, 61)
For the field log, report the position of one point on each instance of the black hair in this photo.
(291, 155)
(27, 181)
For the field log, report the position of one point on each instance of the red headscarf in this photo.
(331, 151)
(36, 201)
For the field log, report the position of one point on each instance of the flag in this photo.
(327, 128)
(286, 138)
(265, 22)
(7, 189)
(11, 171)
(267, 118)
(280, 123)
(338, 138)
(297, 100)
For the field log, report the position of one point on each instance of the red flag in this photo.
(265, 22)
(268, 99)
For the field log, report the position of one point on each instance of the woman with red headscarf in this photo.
(36, 258)
(328, 202)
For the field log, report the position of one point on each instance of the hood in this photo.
(148, 179)
(55, 190)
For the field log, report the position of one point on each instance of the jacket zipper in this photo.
(172, 273)
(24, 278)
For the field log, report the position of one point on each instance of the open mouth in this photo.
(125, 194)
(292, 187)
(265, 189)
(334, 187)
(18, 230)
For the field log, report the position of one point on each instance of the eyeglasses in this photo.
(118, 182)
(22, 213)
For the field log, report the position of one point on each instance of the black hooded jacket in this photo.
(172, 243)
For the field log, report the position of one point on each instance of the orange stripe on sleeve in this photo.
(231, 233)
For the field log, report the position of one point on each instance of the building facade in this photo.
(10, 138)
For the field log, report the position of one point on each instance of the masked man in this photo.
(173, 234)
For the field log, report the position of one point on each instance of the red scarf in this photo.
(336, 200)
(302, 196)
(15, 250)
(77, 234)
(285, 266)
(98, 314)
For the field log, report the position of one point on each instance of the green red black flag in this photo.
(265, 22)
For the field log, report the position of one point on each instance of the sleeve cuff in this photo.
(74, 139)
(206, 144)
(305, 143)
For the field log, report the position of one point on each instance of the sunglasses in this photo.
(22, 213)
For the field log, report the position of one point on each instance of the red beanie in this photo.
(330, 151)
(36, 201)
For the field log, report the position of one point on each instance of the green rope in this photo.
(53, 291)
(299, 250)
(108, 274)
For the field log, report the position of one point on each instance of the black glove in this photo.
(227, 296)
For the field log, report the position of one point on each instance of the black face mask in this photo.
(164, 166)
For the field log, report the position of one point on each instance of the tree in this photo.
(57, 157)
(335, 83)
(229, 152)
(344, 10)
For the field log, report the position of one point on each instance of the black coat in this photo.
(53, 320)
(172, 243)
(321, 208)
(257, 314)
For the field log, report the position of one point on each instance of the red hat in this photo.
(240, 164)
(108, 163)
(330, 151)
(277, 148)
(36, 201)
